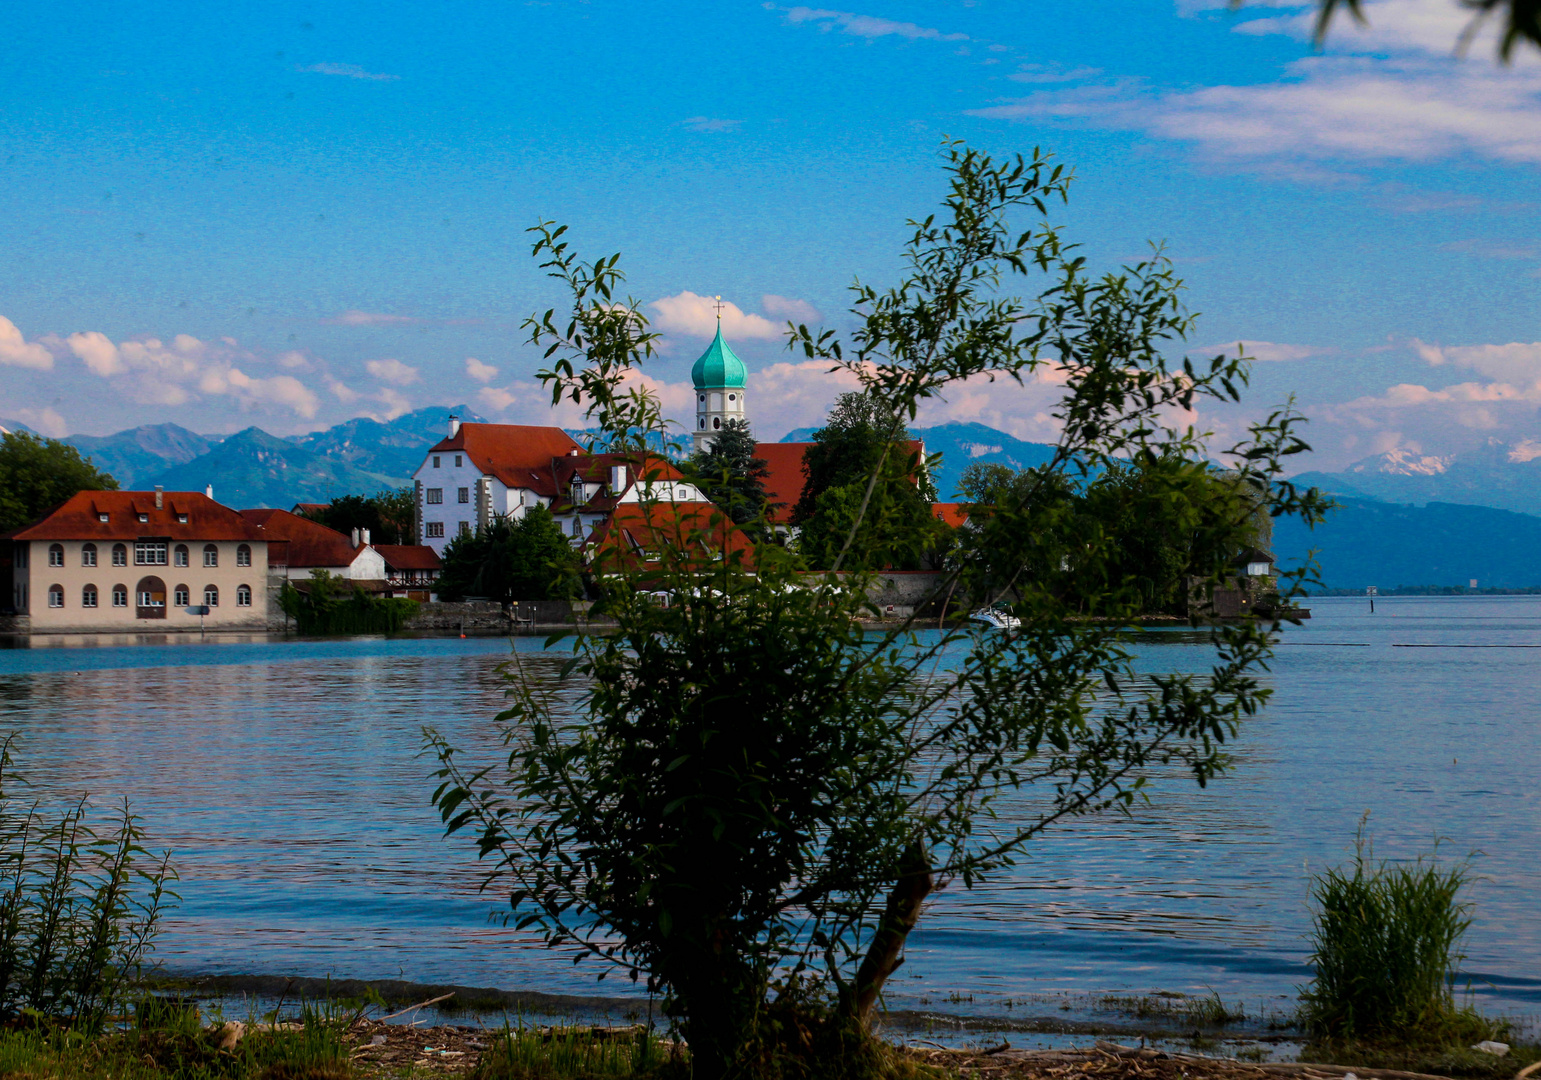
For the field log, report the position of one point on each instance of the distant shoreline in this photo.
(1431, 590)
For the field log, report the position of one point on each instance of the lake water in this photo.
(284, 776)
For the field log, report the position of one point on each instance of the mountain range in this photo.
(1401, 518)
(1497, 474)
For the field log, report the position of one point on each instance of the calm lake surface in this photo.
(284, 776)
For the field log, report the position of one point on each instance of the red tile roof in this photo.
(952, 514)
(784, 485)
(79, 518)
(634, 530)
(520, 455)
(409, 556)
(595, 469)
(298, 541)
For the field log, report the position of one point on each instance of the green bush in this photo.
(327, 609)
(79, 909)
(1385, 949)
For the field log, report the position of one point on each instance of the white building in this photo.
(484, 471)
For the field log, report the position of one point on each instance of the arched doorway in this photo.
(150, 598)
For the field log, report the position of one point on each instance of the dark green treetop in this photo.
(386, 514)
(527, 559)
(37, 474)
(729, 474)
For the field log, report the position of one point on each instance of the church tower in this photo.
(719, 381)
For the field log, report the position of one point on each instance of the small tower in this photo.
(719, 381)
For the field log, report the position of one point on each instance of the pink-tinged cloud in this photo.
(687, 313)
(17, 351)
(392, 371)
(368, 318)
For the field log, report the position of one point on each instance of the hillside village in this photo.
(109, 561)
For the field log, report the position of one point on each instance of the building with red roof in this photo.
(298, 545)
(137, 560)
(485, 471)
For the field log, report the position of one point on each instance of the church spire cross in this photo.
(719, 305)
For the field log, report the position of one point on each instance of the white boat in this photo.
(996, 619)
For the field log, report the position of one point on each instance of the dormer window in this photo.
(144, 517)
(102, 518)
(181, 519)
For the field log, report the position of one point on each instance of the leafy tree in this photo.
(334, 605)
(745, 799)
(37, 474)
(1132, 536)
(386, 514)
(1521, 20)
(730, 475)
(527, 559)
(863, 439)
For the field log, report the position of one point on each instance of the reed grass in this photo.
(79, 908)
(1386, 947)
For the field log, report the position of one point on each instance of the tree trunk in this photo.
(899, 918)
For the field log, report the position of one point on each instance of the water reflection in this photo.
(284, 775)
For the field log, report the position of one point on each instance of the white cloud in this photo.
(710, 125)
(351, 71)
(785, 307)
(18, 352)
(479, 371)
(392, 371)
(98, 352)
(866, 26)
(44, 421)
(340, 390)
(1048, 73)
(498, 398)
(293, 361)
(1266, 351)
(368, 318)
(395, 404)
(1517, 362)
(687, 313)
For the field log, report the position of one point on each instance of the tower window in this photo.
(716, 422)
(702, 399)
(732, 397)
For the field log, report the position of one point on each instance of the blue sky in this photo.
(288, 214)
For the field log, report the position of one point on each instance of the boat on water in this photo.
(995, 618)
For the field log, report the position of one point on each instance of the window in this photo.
(56, 596)
(151, 592)
(436, 461)
(459, 461)
(434, 528)
(243, 555)
(701, 423)
(243, 596)
(211, 595)
(181, 519)
(577, 527)
(702, 399)
(210, 555)
(465, 528)
(435, 496)
(119, 556)
(119, 596)
(102, 518)
(182, 596)
(465, 495)
(181, 555)
(716, 422)
(732, 397)
(88, 596)
(150, 553)
(144, 517)
(55, 554)
(88, 555)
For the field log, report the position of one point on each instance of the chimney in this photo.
(364, 534)
(160, 496)
(454, 425)
(355, 537)
(209, 492)
(617, 479)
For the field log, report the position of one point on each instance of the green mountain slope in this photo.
(393, 448)
(254, 469)
(135, 455)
